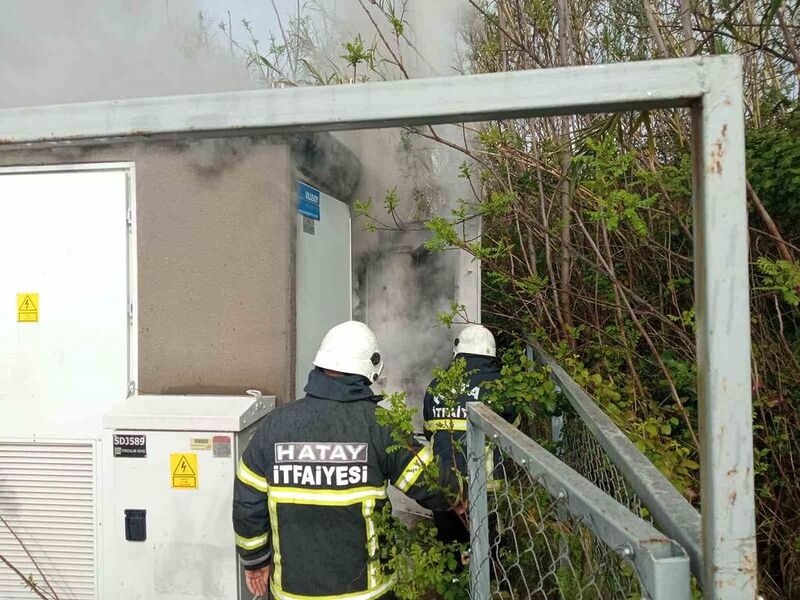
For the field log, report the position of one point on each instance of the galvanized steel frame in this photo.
(672, 513)
(710, 86)
(661, 564)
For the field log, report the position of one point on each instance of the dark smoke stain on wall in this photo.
(398, 290)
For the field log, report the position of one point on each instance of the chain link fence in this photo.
(590, 443)
(541, 531)
(580, 450)
(540, 551)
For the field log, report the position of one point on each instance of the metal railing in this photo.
(540, 530)
(596, 448)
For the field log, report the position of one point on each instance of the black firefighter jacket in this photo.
(307, 488)
(446, 426)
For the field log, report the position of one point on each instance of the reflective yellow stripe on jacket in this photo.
(414, 469)
(253, 543)
(446, 425)
(373, 564)
(247, 476)
(290, 495)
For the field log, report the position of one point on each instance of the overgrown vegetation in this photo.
(423, 566)
(420, 563)
(587, 221)
(415, 558)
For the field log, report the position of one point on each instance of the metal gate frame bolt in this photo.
(626, 551)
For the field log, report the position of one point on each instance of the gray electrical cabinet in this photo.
(169, 465)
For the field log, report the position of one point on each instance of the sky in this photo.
(260, 13)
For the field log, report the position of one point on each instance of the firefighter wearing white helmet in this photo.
(315, 475)
(446, 426)
(351, 347)
(475, 339)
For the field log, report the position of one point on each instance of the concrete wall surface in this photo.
(215, 264)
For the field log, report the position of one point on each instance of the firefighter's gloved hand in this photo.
(258, 581)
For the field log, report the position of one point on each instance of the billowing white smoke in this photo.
(54, 52)
(401, 287)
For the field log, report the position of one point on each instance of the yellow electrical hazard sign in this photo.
(183, 468)
(28, 307)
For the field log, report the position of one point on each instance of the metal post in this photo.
(478, 512)
(723, 336)
(556, 421)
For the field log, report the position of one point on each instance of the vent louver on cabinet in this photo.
(47, 495)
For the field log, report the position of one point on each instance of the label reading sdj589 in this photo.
(130, 445)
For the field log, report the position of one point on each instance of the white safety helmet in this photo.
(475, 339)
(351, 347)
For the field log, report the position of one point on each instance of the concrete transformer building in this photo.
(162, 269)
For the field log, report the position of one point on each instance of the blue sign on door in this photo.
(307, 200)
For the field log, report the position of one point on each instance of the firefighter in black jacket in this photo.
(446, 426)
(315, 474)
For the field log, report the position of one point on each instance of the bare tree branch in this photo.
(687, 12)
(789, 36)
(28, 554)
(653, 23)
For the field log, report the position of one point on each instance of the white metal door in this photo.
(324, 281)
(64, 299)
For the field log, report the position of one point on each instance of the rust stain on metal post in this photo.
(751, 566)
(718, 152)
(655, 540)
